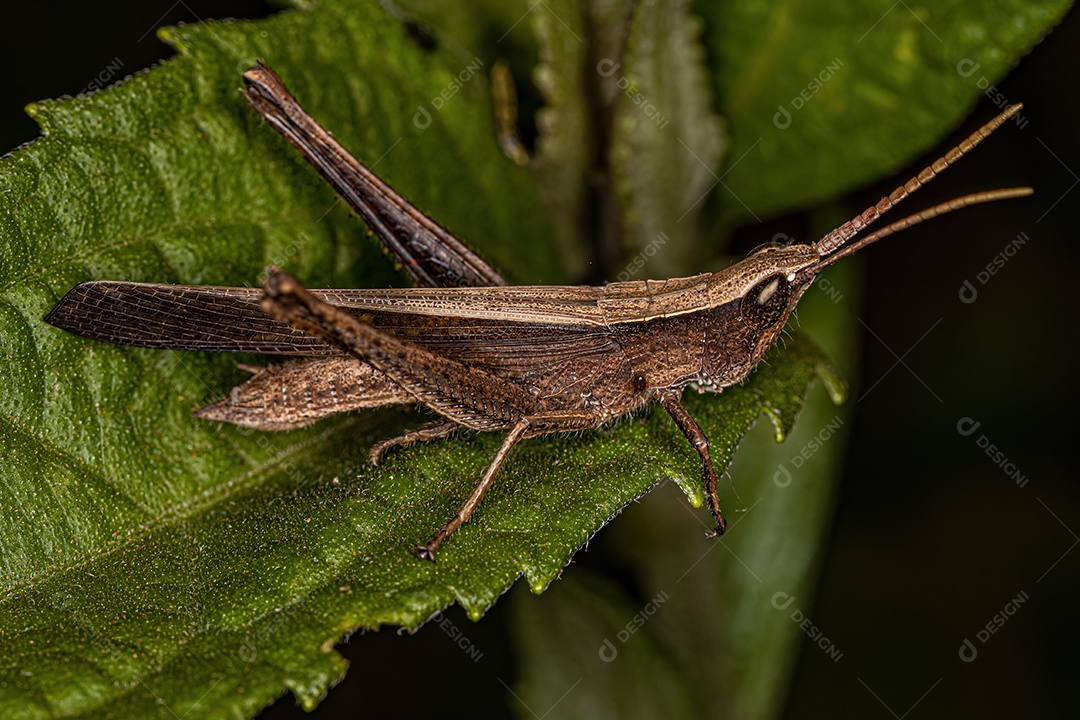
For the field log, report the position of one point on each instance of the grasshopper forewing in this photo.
(530, 360)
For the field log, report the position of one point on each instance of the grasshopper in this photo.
(484, 355)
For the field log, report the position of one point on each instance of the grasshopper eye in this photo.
(766, 302)
(767, 290)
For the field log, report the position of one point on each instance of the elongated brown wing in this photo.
(178, 317)
(568, 343)
(545, 337)
(224, 319)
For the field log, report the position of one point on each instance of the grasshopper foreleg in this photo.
(672, 402)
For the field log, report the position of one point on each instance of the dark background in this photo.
(931, 539)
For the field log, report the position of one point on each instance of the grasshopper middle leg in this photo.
(530, 426)
(427, 551)
(424, 433)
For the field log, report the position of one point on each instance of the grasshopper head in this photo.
(753, 299)
(767, 284)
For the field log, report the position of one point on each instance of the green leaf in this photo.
(570, 149)
(822, 97)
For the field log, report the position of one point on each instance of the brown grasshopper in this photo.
(482, 354)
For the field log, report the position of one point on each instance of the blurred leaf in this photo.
(667, 142)
(574, 125)
(823, 97)
(592, 624)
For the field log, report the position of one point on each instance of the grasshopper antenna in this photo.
(931, 212)
(853, 227)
